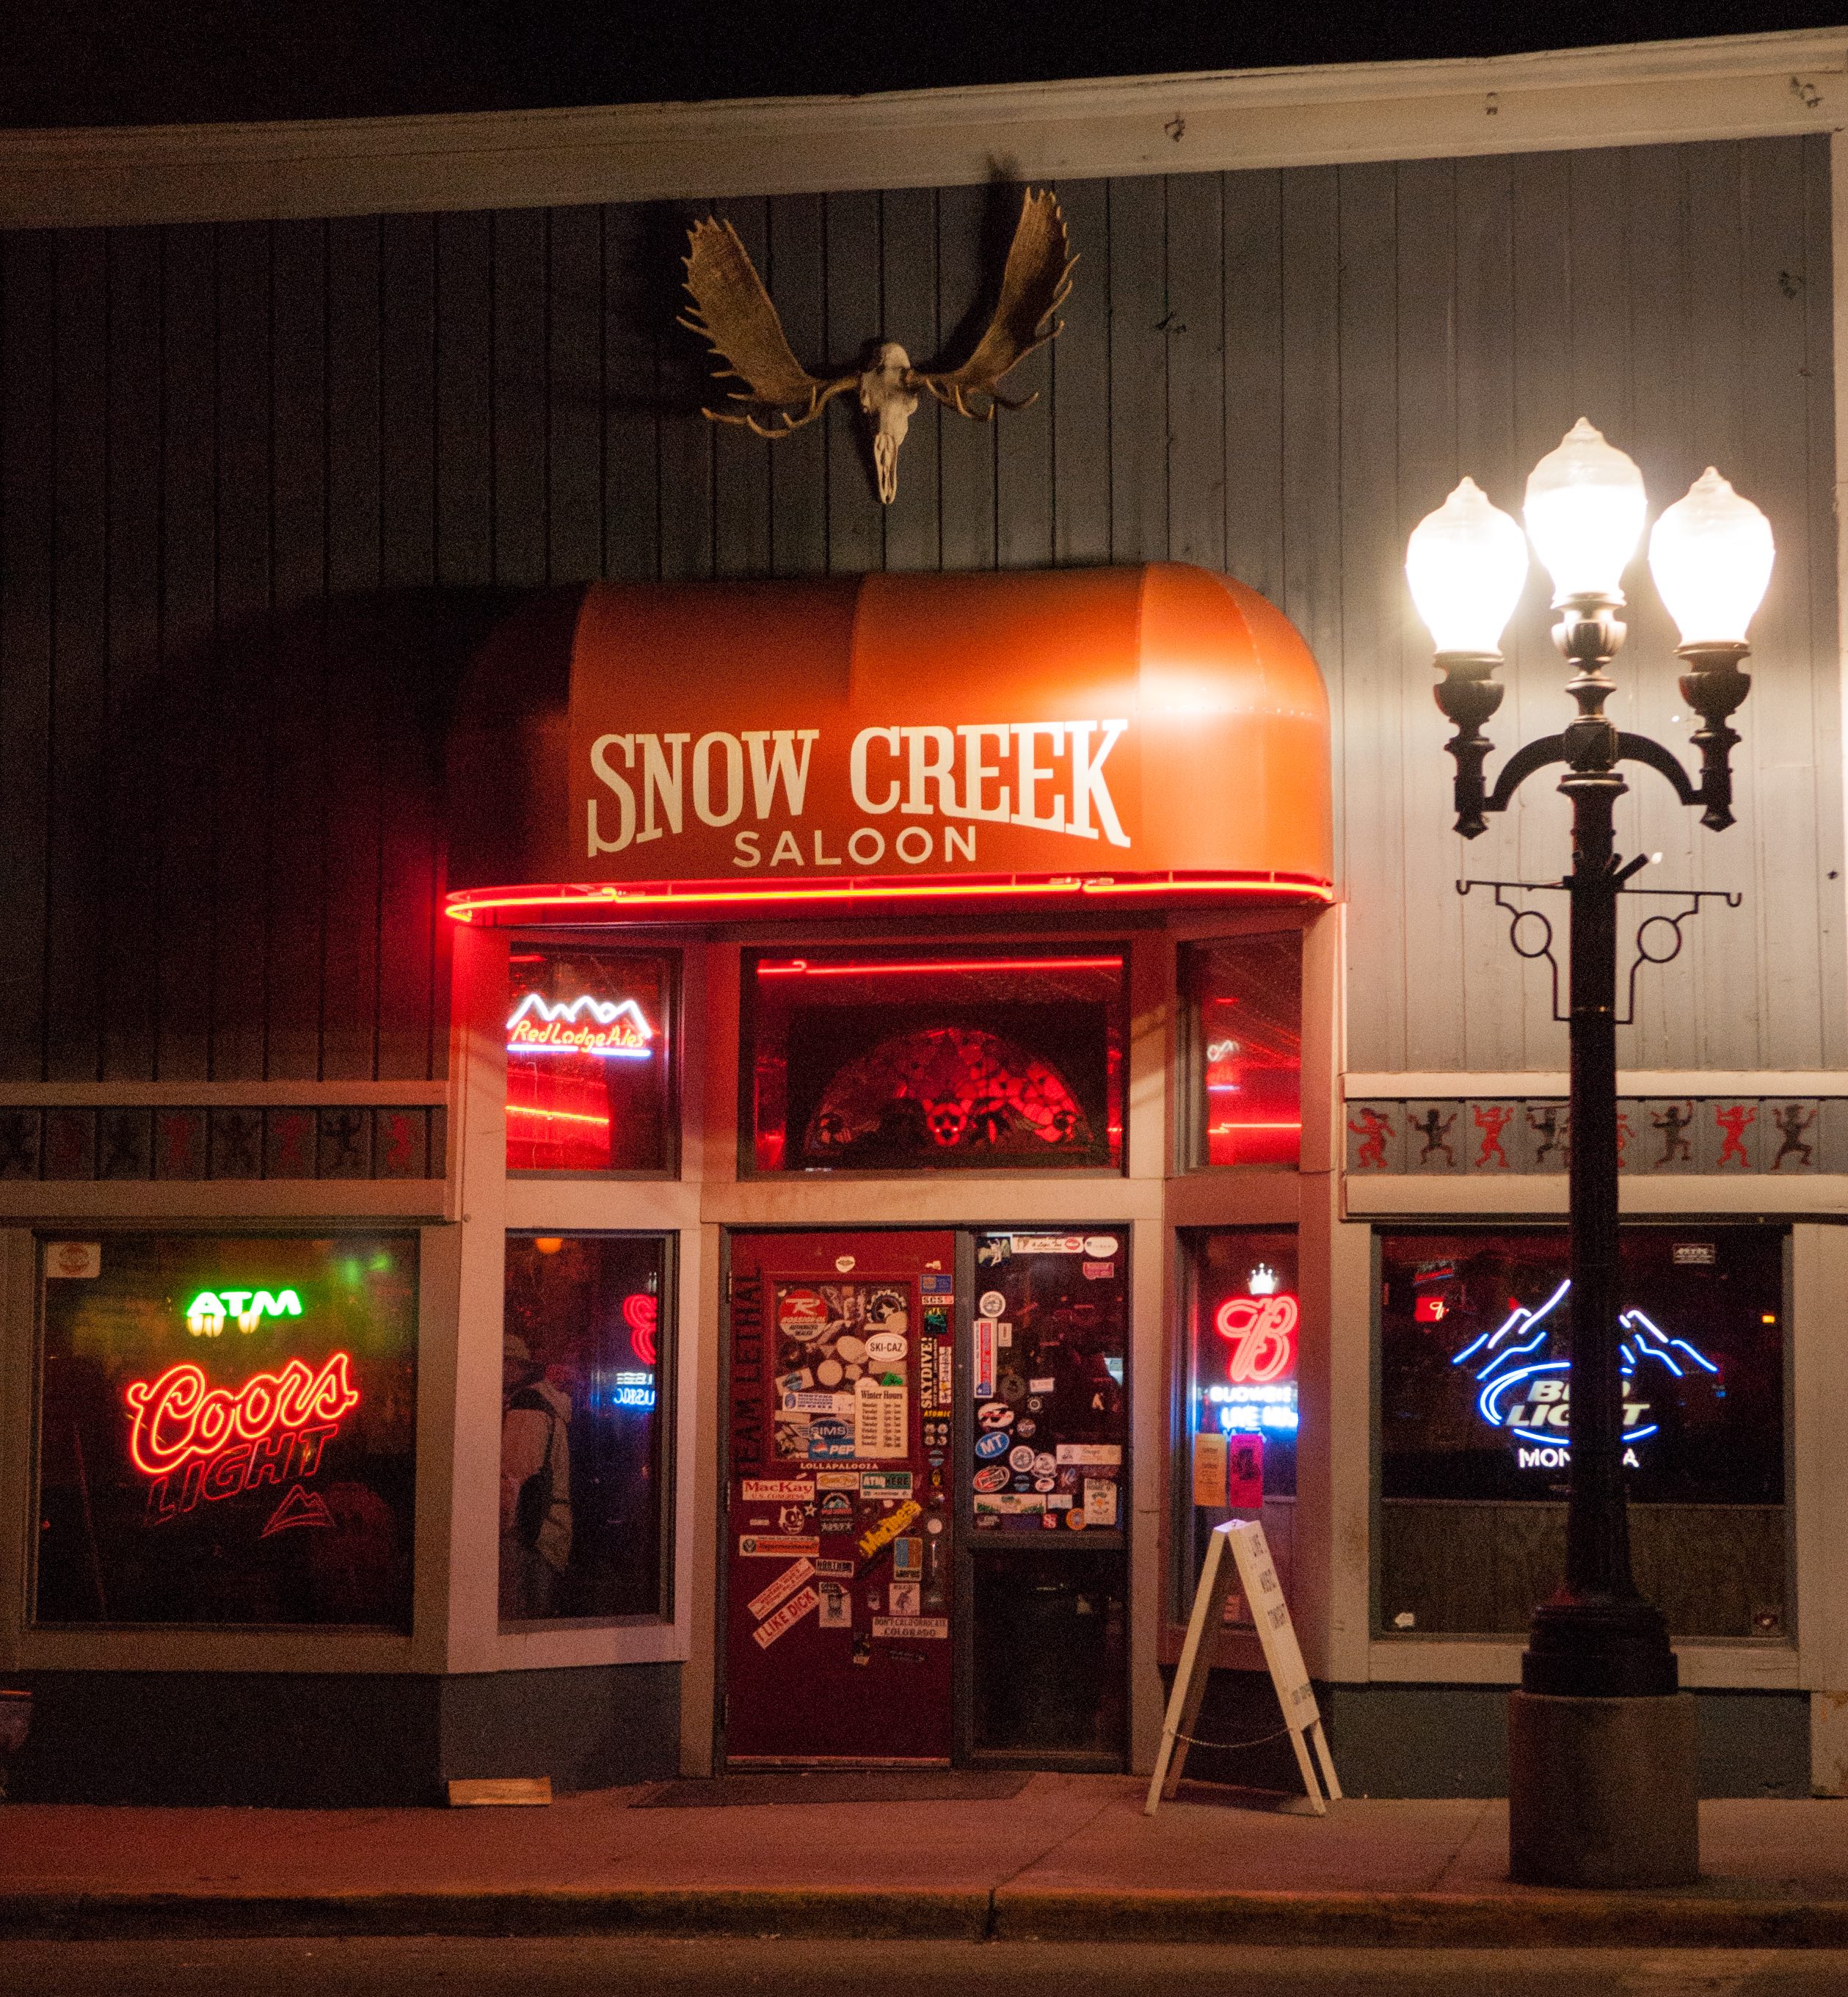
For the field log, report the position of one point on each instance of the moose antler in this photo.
(733, 313)
(1036, 283)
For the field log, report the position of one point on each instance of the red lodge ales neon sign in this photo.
(606, 1027)
(195, 1440)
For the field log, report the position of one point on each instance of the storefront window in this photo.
(1475, 1339)
(1245, 1005)
(227, 1429)
(898, 1060)
(1241, 1312)
(586, 1358)
(590, 1081)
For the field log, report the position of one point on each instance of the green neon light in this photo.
(208, 1313)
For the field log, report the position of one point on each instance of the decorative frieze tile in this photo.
(1789, 1132)
(1491, 1141)
(129, 1143)
(1727, 1135)
(1376, 1137)
(1436, 1136)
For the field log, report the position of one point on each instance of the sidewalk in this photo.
(1070, 1858)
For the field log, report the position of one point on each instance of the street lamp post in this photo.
(1601, 1785)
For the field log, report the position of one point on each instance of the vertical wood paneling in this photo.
(234, 461)
(908, 223)
(28, 304)
(799, 464)
(1493, 980)
(1081, 385)
(966, 292)
(79, 638)
(1140, 319)
(188, 613)
(1372, 597)
(688, 442)
(1196, 356)
(1424, 393)
(1024, 524)
(741, 474)
(631, 440)
(1251, 314)
(297, 890)
(852, 320)
(379, 335)
(1821, 639)
(243, 822)
(517, 407)
(574, 395)
(130, 795)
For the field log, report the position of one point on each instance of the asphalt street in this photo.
(416, 1967)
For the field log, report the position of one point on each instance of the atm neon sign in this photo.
(609, 1028)
(208, 1313)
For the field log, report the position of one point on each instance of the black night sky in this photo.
(128, 62)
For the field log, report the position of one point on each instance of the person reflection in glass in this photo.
(535, 1485)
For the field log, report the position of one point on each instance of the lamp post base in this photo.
(1602, 1791)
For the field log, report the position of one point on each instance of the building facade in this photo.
(481, 1298)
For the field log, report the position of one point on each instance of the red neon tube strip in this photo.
(801, 967)
(557, 1116)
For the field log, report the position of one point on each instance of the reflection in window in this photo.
(895, 1060)
(1243, 1314)
(1475, 1339)
(589, 1077)
(227, 1429)
(1246, 1001)
(584, 1355)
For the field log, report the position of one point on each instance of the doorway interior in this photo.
(925, 1559)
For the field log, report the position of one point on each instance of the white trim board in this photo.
(1730, 86)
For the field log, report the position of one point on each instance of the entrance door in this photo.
(838, 1557)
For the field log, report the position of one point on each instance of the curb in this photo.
(857, 1915)
(1524, 1917)
(1531, 1919)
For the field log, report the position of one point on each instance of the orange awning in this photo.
(1130, 735)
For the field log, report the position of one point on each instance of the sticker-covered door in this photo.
(838, 1552)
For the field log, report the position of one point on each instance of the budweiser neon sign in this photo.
(606, 1027)
(1261, 1332)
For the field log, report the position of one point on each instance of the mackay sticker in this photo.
(759, 1545)
(889, 1527)
(932, 1628)
(778, 1490)
(785, 1619)
(785, 1585)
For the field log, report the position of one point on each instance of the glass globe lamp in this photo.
(1466, 564)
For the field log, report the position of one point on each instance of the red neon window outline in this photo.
(182, 1415)
(801, 967)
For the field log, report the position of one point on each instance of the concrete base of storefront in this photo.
(300, 1739)
(1434, 1740)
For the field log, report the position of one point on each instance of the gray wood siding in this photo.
(260, 486)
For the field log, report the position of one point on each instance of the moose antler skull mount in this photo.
(732, 312)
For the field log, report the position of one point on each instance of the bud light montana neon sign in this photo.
(1527, 1393)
